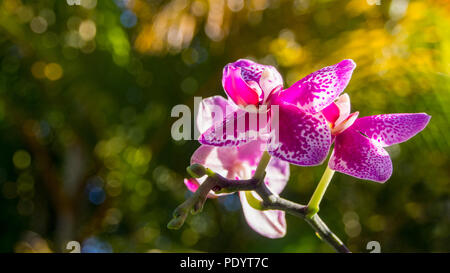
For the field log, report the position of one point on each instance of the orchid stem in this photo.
(260, 174)
(261, 168)
(194, 204)
(313, 205)
(270, 200)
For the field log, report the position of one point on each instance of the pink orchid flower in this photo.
(240, 163)
(302, 136)
(358, 149)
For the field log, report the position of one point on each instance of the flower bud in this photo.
(196, 170)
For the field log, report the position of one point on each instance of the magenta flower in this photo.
(240, 163)
(358, 149)
(302, 135)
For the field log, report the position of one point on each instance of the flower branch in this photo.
(270, 201)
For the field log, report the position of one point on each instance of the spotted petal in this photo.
(212, 110)
(319, 89)
(269, 223)
(390, 129)
(237, 128)
(356, 155)
(300, 138)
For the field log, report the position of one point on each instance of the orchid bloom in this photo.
(303, 137)
(240, 163)
(358, 149)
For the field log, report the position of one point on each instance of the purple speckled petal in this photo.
(237, 88)
(236, 129)
(207, 109)
(268, 223)
(319, 89)
(356, 155)
(303, 139)
(252, 71)
(390, 129)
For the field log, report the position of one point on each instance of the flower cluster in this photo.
(310, 116)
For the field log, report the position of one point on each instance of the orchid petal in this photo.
(251, 152)
(277, 175)
(337, 111)
(268, 223)
(356, 155)
(344, 124)
(319, 89)
(237, 89)
(237, 128)
(252, 71)
(331, 113)
(270, 81)
(208, 108)
(303, 139)
(236, 163)
(220, 160)
(343, 103)
(390, 129)
(191, 184)
(244, 78)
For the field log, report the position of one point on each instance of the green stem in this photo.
(261, 168)
(259, 175)
(313, 205)
(194, 204)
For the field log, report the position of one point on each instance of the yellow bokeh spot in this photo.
(21, 159)
(87, 30)
(53, 71)
(137, 157)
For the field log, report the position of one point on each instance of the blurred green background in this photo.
(86, 90)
